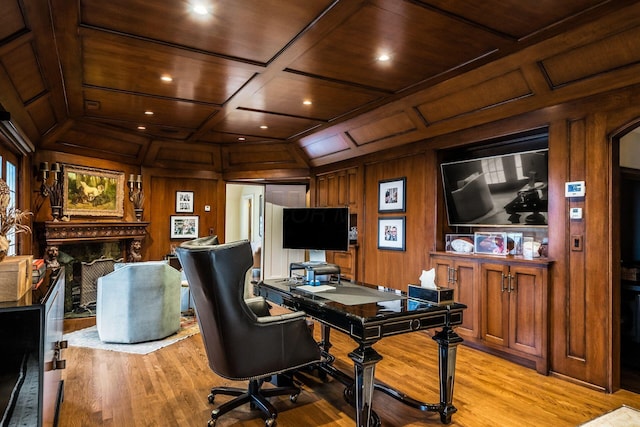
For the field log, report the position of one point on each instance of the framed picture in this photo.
(391, 233)
(184, 201)
(459, 243)
(490, 243)
(391, 197)
(184, 226)
(514, 243)
(92, 192)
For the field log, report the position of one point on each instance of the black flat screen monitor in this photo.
(315, 228)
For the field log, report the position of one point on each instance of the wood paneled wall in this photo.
(584, 301)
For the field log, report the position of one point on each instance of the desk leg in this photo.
(326, 337)
(364, 359)
(448, 342)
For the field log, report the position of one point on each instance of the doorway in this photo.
(629, 220)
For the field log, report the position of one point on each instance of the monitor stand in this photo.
(317, 256)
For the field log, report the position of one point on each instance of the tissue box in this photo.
(440, 296)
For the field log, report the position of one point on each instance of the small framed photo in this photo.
(459, 243)
(184, 201)
(490, 243)
(391, 195)
(184, 226)
(514, 243)
(391, 233)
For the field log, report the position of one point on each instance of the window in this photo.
(9, 173)
(493, 170)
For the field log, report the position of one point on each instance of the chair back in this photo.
(238, 346)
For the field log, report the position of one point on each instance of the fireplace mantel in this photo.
(67, 232)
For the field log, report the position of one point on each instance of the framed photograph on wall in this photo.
(391, 233)
(184, 226)
(184, 201)
(391, 195)
(92, 192)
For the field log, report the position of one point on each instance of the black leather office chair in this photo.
(241, 345)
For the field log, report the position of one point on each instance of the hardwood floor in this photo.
(169, 388)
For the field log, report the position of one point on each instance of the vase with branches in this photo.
(11, 218)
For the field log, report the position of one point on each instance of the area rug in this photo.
(624, 416)
(88, 337)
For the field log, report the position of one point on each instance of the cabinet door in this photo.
(443, 267)
(465, 292)
(526, 310)
(495, 304)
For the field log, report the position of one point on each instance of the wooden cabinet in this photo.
(514, 310)
(338, 188)
(346, 260)
(507, 303)
(460, 274)
(31, 386)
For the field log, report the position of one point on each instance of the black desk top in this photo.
(384, 312)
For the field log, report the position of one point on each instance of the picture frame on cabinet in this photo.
(391, 233)
(184, 201)
(92, 192)
(490, 243)
(391, 195)
(184, 226)
(459, 243)
(514, 243)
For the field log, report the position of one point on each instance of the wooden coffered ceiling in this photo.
(78, 76)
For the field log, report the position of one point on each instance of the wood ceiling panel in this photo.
(131, 108)
(187, 156)
(326, 146)
(392, 125)
(409, 34)
(515, 18)
(285, 95)
(103, 143)
(500, 90)
(247, 123)
(136, 66)
(255, 30)
(611, 53)
(259, 156)
(11, 20)
(22, 68)
(43, 114)
(228, 138)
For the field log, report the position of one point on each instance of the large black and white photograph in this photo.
(504, 190)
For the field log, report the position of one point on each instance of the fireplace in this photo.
(80, 244)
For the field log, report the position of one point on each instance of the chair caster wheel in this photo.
(211, 398)
(211, 423)
(270, 422)
(294, 398)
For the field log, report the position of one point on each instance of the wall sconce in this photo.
(52, 188)
(136, 196)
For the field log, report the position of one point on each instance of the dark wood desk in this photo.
(382, 313)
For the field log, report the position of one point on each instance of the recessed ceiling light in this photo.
(166, 78)
(149, 113)
(200, 9)
(242, 138)
(384, 57)
(142, 127)
(264, 127)
(307, 102)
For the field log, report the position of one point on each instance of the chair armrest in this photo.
(282, 317)
(259, 306)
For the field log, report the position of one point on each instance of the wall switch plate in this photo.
(207, 208)
(575, 213)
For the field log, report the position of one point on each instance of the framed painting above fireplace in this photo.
(93, 192)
